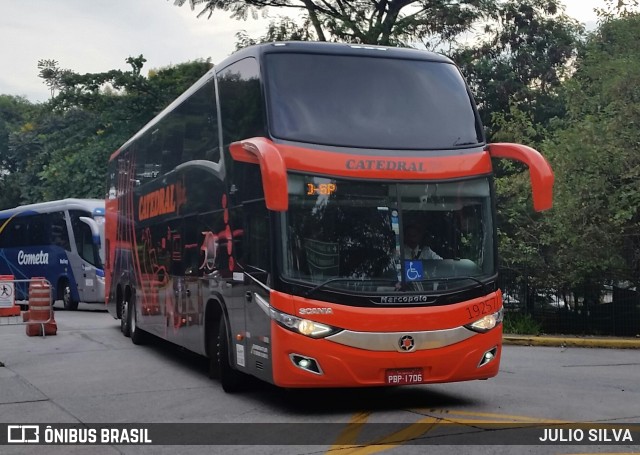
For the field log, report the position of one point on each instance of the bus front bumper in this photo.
(300, 362)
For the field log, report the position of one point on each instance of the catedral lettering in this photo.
(301, 231)
(156, 203)
(385, 165)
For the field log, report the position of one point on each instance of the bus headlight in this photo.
(486, 323)
(303, 326)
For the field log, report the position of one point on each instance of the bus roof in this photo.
(314, 47)
(308, 47)
(53, 206)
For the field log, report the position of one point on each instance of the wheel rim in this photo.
(125, 312)
(133, 318)
(66, 295)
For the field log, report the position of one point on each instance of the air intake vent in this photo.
(259, 365)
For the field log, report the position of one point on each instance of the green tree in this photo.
(521, 60)
(15, 114)
(283, 29)
(386, 22)
(593, 231)
(618, 8)
(522, 52)
(524, 236)
(63, 151)
(596, 156)
(51, 74)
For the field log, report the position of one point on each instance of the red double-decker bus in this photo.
(267, 220)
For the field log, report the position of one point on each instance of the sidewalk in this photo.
(572, 341)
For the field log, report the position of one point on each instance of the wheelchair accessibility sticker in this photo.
(413, 270)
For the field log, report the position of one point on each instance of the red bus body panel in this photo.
(345, 366)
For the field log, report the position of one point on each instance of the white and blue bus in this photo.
(61, 241)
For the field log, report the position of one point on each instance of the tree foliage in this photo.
(386, 22)
(15, 115)
(521, 60)
(597, 218)
(283, 29)
(60, 148)
(593, 231)
(513, 52)
(617, 8)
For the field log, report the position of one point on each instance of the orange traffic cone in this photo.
(40, 317)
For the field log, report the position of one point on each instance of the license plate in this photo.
(405, 376)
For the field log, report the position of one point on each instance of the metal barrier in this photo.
(608, 307)
(39, 318)
(8, 307)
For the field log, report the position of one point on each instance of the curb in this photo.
(611, 343)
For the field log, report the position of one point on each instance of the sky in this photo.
(93, 36)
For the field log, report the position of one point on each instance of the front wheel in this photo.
(232, 380)
(125, 321)
(67, 300)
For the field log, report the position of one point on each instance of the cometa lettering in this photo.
(385, 165)
(156, 203)
(40, 258)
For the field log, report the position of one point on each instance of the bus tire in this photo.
(138, 336)
(232, 380)
(67, 300)
(125, 318)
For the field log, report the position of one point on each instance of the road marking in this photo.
(498, 418)
(348, 437)
(347, 443)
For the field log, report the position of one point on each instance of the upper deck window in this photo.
(241, 103)
(369, 102)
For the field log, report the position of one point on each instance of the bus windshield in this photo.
(356, 235)
(400, 104)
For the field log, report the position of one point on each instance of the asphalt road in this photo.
(90, 374)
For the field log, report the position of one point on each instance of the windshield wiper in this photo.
(357, 280)
(456, 278)
(394, 282)
(460, 142)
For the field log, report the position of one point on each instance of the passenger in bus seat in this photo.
(414, 244)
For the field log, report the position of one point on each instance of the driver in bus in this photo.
(414, 246)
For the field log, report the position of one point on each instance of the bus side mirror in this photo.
(262, 151)
(540, 171)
